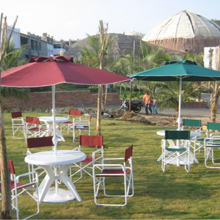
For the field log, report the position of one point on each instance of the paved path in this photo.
(197, 113)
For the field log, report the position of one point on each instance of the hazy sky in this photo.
(74, 19)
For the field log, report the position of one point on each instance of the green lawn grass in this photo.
(174, 194)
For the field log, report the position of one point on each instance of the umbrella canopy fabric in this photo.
(46, 71)
(174, 70)
(50, 71)
(179, 70)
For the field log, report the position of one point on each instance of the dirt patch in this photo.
(148, 119)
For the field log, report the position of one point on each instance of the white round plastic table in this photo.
(48, 120)
(56, 169)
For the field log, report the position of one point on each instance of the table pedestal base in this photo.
(61, 196)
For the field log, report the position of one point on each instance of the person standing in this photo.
(147, 102)
(155, 106)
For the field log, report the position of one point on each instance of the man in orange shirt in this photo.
(147, 102)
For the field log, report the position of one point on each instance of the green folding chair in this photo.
(197, 141)
(180, 153)
(212, 145)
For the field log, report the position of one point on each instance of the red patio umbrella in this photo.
(46, 71)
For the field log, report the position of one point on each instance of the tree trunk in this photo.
(105, 96)
(103, 36)
(130, 96)
(5, 174)
(215, 95)
(214, 103)
(99, 100)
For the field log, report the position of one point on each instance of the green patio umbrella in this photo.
(178, 70)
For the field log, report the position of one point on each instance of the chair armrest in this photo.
(212, 140)
(27, 174)
(82, 122)
(18, 119)
(95, 152)
(112, 160)
(109, 166)
(217, 134)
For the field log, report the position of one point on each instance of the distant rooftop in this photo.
(134, 33)
(184, 25)
(185, 31)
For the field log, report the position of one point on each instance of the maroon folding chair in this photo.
(18, 188)
(18, 124)
(73, 114)
(112, 168)
(86, 165)
(81, 125)
(34, 128)
(37, 143)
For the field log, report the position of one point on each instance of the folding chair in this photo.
(178, 154)
(97, 155)
(111, 168)
(74, 114)
(81, 125)
(34, 128)
(18, 123)
(36, 143)
(212, 145)
(18, 188)
(196, 140)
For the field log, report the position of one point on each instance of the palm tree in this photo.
(13, 58)
(198, 58)
(96, 55)
(168, 93)
(123, 65)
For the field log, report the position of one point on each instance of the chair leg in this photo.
(100, 182)
(209, 155)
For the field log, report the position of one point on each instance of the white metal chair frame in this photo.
(180, 153)
(87, 164)
(18, 188)
(18, 123)
(37, 142)
(196, 140)
(80, 125)
(34, 128)
(108, 169)
(211, 144)
(74, 114)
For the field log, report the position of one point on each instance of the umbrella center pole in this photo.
(180, 102)
(179, 116)
(54, 123)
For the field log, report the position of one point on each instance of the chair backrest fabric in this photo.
(10, 166)
(16, 114)
(40, 142)
(75, 112)
(91, 140)
(128, 153)
(192, 123)
(32, 120)
(213, 126)
(177, 135)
